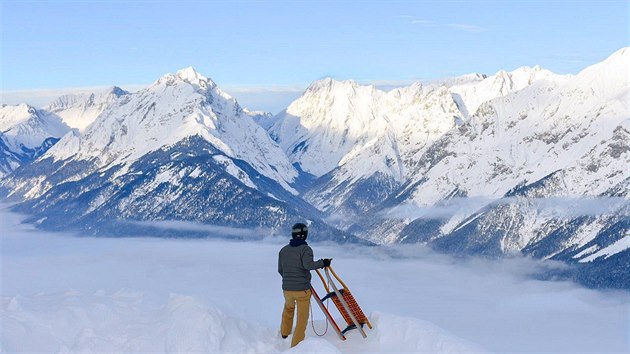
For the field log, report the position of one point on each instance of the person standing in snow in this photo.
(295, 262)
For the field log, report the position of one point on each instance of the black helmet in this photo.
(299, 231)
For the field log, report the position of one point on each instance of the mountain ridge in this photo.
(468, 161)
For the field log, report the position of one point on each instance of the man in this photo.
(295, 261)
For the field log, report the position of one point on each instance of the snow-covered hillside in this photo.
(25, 134)
(575, 130)
(474, 138)
(360, 138)
(357, 137)
(79, 111)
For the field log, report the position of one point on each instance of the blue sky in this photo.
(268, 47)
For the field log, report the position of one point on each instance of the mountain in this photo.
(181, 149)
(492, 165)
(551, 161)
(360, 143)
(470, 94)
(28, 133)
(265, 119)
(25, 134)
(523, 162)
(79, 111)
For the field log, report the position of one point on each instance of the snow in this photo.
(13, 115)
(80, 110)
(233, 170)
(473, 94)
(620, 245)
(23, 125)
(66, 294)
(586, 251)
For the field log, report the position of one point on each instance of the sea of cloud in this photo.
(65, 293)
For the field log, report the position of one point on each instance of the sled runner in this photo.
(345, 303)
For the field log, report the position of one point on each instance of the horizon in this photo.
(266, 52)
(275, 96)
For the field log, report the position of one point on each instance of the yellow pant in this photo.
(303, 300)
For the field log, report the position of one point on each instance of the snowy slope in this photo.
(321, 127)
(566, 140)
(473, 93)
(525, 136)
(361, 143)
(26, 133)
(79, 111)
(357, 137)
(119, 323)
(23, 126)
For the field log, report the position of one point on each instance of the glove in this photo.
(327, 262)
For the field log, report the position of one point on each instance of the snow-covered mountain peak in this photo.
(526, 75)
(328, 84)
(327, 90)
(472, 94)
(10, 115)
(609, 77)
(80, 110)
(620, 56)
(458, 80)
(65, 101)
(190, 76)
(176, 107)
(23, 126)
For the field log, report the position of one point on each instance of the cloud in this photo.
(563, 207)
(497, 303)
(459, 26)
(211, 230)
(272, 100)
(443, 210)
(422, 22)
(554, 207)
(467, 27)
(264, 89)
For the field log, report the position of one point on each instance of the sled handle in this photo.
(321, 277)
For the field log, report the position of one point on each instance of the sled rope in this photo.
(327, 314)
(310, 306)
